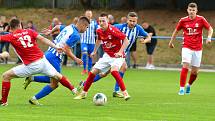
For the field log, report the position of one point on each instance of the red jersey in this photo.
(192, 31)
(112, 39)
(24, 43)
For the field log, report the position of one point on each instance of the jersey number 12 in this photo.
(23, 39)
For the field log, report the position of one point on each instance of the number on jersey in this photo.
(23, 39)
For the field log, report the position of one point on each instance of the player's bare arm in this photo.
(124, 46)
(174, 34)
(147, 39)
(210, 33)
(97, 44)
(69, 53)
(49, 32)
(47, 42)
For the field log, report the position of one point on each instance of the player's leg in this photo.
(87, 84)
(186, 60)
(116, 92)
(54, 61)
(84, 57)
(116, 64)
(7, 76)
(90, 60)
(196, 61)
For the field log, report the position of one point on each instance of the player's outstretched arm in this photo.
(124, 46)
(175, 32)
(47, 41)
(69, 53)
(147, 39)
(210, 33)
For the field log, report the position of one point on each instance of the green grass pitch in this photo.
(154, 98)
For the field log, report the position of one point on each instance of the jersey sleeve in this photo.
(33, 33)
(179, 25)
(119, 26)
(62, 27)
(142, 32)
(205, 23)
(118, 34)
(5, 38)
(73, 39)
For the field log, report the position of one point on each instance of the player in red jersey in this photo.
(192, 26)
(114, 43)
(34, 62)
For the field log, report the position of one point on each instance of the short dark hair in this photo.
(132, 14)
(84, 19)
(103, 15)
(14, 23)
(192, 5)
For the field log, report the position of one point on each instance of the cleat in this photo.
(3, 104)
(34, 102)
(187, 90)
(126, 95)
(181, 92)
(82, 95)
(81, 86)
(27, 82)
(84, 72)
(118, 94)
(75, 91)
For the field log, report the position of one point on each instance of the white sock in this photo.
(181, 88)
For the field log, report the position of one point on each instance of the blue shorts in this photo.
(87, 48)
(53, 60)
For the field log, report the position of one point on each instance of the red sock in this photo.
(183, 77)
(66, 83)
(5, 91)
(119, 80)
(89, 81)
(192, 78)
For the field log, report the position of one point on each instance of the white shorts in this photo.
(41, 66)
(106, 62)
(192, 57)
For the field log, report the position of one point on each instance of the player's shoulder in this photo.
(184, 18)
(139, 27)
(200, 17)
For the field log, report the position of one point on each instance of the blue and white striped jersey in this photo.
(132, 34)
(68, 35)
(89, 35)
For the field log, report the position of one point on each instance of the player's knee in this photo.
(6, 76)
(195, 72)
(54, 85)
(103, 75)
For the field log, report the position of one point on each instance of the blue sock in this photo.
(116, 89)
(89, 63)
(45, 91)
(41, 79)
(84, 59)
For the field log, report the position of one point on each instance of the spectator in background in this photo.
(55, 21)
(123, 20)
(88, 42)
(30, 25)
(4, 29)
(150, 47)
(111, 19)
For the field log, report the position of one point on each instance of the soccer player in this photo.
(114, 43)
(192, 26)
(67, 38)
(88, 42)
(34, 62)
(132, 30)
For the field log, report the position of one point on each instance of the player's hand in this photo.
(208, 41)
(78, 61)
(118, 55)
(59, 49)
(171, 45)
(93, 54)
(46, 31)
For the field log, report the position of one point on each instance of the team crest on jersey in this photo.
(196, 25)
(187, 26)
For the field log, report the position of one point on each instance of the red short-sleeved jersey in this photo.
(112, 39)
(192, 31)
(24, 43)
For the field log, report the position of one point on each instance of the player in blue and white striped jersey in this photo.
(88, 42)
(132, 31)
(67, 38)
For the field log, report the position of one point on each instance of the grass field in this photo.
(154, 98)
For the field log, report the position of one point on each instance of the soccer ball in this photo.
(99, 99)
(4, 54)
